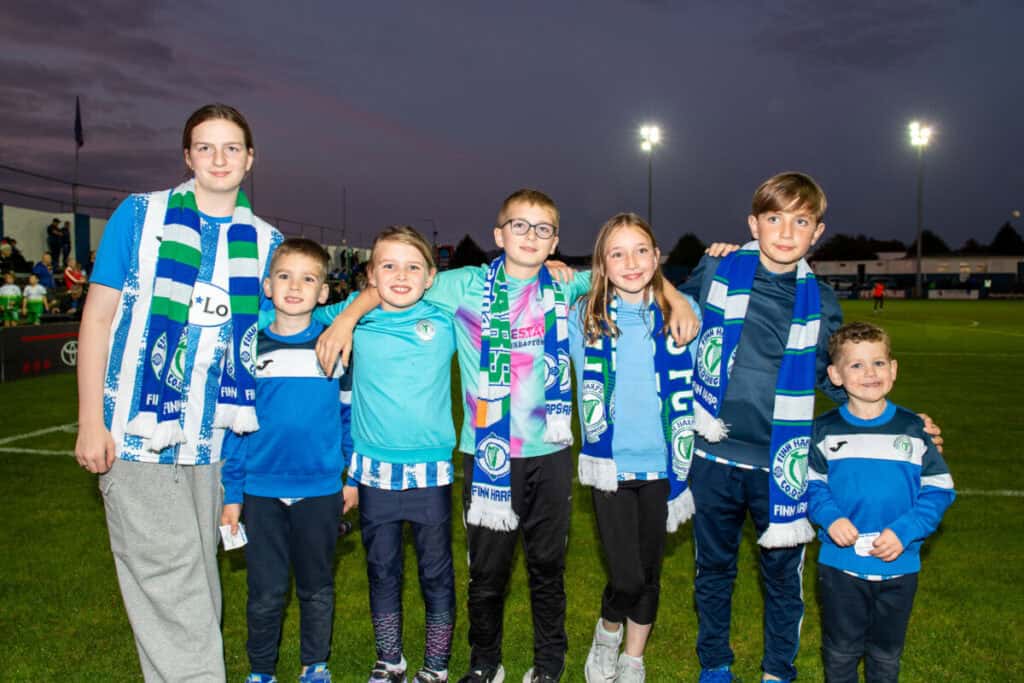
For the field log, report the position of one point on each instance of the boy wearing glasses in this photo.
(512, 337)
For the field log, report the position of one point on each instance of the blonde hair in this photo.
(304, 247)
(596, 319)
(406, 234)
(788, 191)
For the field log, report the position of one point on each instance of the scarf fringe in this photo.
(601, 473)
(680, 510)
(166, 434)
(710, 427)
(224, 415)
(787, 535)
(142, 425)
(558, 430)
(245, 420)
(491, 515)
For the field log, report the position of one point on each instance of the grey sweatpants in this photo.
(163, 523)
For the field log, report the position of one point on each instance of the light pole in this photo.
(650, 135)
(919, 137)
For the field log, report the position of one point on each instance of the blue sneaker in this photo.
(261, 678)
(316, 673)
(720, 674)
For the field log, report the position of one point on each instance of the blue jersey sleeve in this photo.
(699, 282)
(232, 473)
(821, 506)
(113, 258)
(935, 495)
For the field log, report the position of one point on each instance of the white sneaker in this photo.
(601, 666)
(630, 670)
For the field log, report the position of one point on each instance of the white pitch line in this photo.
(1002, 493)
(69, 427)
(33, 451)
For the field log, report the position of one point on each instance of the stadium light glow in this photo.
(650, 136)
(920, 136)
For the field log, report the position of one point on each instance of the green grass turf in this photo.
(61, 615)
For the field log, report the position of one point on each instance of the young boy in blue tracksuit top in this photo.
(286, 476)
(762, 350)
(877, 488)
(403, 437)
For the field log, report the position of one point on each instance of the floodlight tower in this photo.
(920, 134)
(650, 136)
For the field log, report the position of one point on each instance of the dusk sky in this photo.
(430, 110)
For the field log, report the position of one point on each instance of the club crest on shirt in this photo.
(709, 356)
(495, 460)
(903, 445)
(425, 330)
(789, 467)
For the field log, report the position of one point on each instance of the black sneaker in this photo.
(534, 676)
(487, 675)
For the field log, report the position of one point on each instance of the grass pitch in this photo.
(61, 615)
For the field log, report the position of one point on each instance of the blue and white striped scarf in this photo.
(793, 412)
(178, 261)
(673, 369)
(491, 492)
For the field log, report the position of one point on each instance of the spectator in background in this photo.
(11, 258)
(91, 265)
(65, 244)
(34, 302)
(10, 301)
(44, 271)
(73, 275)
(878, 294)
(53, 240)
(72, 304)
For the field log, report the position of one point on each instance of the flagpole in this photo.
(74, 185)
(79, 141)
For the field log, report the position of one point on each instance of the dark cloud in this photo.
(872, 34)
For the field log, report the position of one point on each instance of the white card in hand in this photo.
(232, 541)
(865, 544)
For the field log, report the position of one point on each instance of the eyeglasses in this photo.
(521, 226)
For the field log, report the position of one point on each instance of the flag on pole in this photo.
(79, 136)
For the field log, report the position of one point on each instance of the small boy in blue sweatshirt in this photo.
(877, 488)
(287, 475)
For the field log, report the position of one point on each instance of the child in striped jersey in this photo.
(403, 438)
(629, 373)
(878, 487)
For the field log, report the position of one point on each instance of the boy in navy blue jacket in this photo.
(877, 488)
(288, 473)
(762, 350)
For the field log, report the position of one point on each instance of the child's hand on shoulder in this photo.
(843, 532)
(231, 514)
(887, 547)
(560, 271)
(721, 249)
(933, 430)
(350, 496)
